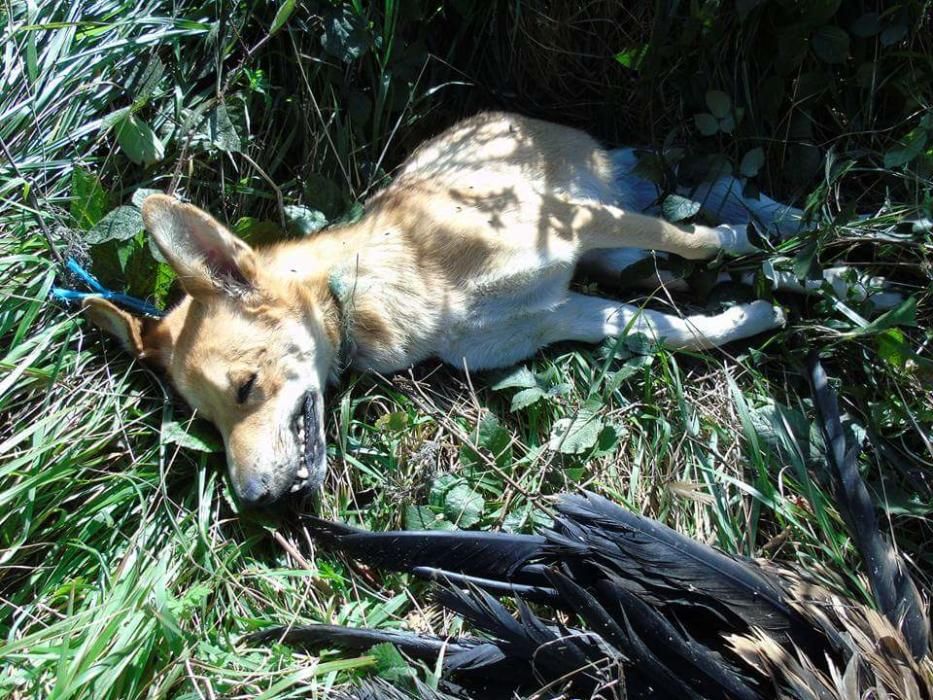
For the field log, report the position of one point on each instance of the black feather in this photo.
(330, 636)
(671, 570)
(553, 653)
(706, 670)
(894, 590)
(624, 638)
(492, 555)
(533, 594)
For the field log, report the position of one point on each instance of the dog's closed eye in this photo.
(242, 392)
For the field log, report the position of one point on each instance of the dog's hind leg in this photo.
(591, 319)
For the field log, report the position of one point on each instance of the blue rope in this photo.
(71, 296)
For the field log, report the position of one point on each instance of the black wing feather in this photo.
(676, 570)
(894, 590)
(493, 555)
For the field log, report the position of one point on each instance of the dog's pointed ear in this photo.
(126, 328)
(206, 257)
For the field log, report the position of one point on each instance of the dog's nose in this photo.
(255, 491)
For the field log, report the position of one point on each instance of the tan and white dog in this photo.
(466, 256)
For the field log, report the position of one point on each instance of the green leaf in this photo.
(718, 103)
(88, 198)
(463, 506)
(803, 262)
(390, 664)
(345, 36)
(727, 124)
(303, 221)
(892, 347)
(195, 435)
(577, 434)
(495, 438)
(281, 16)
(526, 398)
(752, 162)
(138, 141)
(632, 57)
(521, 377)
(677, 208)
(632, 367)
(831, 44)
(706, 124)
(893, 33)
(139, 196)
(866, 25)
(425, 518)
(258, 231)
(911, 146)
(222, 132)
(393, 422)
(121, 224)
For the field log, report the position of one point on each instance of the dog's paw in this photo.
(734, 240)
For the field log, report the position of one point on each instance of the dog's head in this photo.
(250, 348)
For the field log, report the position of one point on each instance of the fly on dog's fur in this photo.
(467, 256)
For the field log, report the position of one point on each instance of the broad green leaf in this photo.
(577, 434)
(526, 397)
(893, 348)
(222, 132)
(139, 196)
(912, 146)
(521, 377)
(121, 224)
(138, 141)
(752, 162)
(893, 33)
(706, 124)
(88, 198)
(831, 44)
(426, 518)
(718, 103)
(677, 208)
(303, 221)
(344, 36)
(195, 435)
(281, 16)
(727, 124)
(463, 506)
(495, 438)
(393, 422)
(258, 231)
(632, 367)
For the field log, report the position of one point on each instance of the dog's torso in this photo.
(462, 246)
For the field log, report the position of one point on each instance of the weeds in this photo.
(127, 569)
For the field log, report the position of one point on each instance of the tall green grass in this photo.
(126, 568)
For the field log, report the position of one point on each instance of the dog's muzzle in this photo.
(309, 427)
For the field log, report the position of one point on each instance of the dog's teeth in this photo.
(296, 487)
(303, 473)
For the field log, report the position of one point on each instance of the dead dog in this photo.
(466, 256)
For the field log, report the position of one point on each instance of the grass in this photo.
(126, 568)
